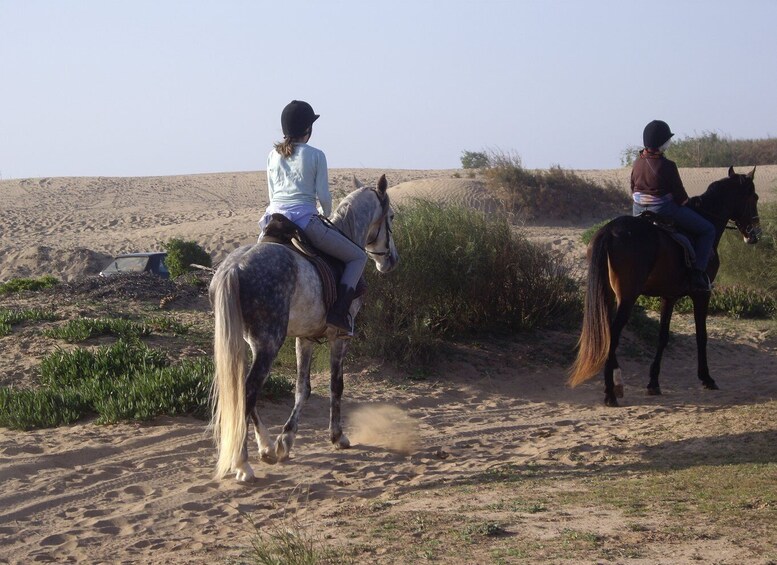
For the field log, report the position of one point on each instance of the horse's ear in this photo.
(356, 182)
(751, 174)
(382, 184)
(731, 172)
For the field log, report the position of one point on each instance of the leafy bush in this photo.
(18, 285)
(474, 160)
(461, 273)
(555, 193)
(181, 254)
(714, 150)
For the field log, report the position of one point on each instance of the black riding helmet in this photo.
(656, 134)
(296, 118)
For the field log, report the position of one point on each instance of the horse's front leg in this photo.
(337, 350)
(701, 303)
(285, 440)
(667, 306)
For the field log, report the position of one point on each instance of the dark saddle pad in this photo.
(282, 230)
(668, 226)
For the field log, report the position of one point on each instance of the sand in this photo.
(144, 493)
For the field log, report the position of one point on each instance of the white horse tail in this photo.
(228, 396)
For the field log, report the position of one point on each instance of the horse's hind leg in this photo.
(667, 305)
(337, 350)
(622, 313)
(285, 440)
(263, 358)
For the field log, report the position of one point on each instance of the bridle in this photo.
(384, 203)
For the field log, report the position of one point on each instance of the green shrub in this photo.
(461, 273)
(18, 285)
(474, 160)
(181, 254)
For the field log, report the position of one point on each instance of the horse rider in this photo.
(297, 177)
(656, 187)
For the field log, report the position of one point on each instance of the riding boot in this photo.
(338, 316)
(700, 281)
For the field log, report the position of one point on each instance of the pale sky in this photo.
(162, 87)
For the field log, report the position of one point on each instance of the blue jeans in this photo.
(703, 232)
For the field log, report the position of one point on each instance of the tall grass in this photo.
(461, 272)
(753, 266)
(712, 149)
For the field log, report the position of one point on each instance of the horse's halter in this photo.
(384, 202)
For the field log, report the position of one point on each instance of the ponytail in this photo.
(285, 147)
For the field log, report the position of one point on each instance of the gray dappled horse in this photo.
(264, 292)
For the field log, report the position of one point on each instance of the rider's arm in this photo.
(322, 186)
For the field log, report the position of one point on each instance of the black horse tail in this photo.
(228, 422)
(594, 342)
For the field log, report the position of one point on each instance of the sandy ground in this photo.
(423, 446)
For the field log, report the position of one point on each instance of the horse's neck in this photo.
(353, 217)
(716, 208)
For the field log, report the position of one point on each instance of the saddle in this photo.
(282, 230)
(668, 226)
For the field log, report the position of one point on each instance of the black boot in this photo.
(338, 316)
(700, 281)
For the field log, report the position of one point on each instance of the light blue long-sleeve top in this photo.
(296, 183)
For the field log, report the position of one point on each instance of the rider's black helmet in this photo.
(656, 134)
(296, 118)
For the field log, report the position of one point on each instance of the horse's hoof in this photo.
(268, 456)
(283, 447)
(711, 385)
(341, 442)
(244, 473)
(654, 391)
(611, 401)
(618, 391)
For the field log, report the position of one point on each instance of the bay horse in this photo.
(629, 257)
(263, 293)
